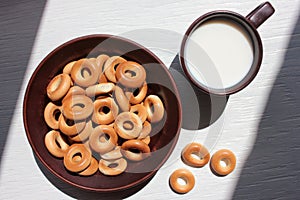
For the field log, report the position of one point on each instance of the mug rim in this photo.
(255, 68)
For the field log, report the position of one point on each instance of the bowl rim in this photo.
(35, 151)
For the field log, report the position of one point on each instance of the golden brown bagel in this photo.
(83, 135)
(98, 89)
(146, 130)
(128, 125)
(143, 148)
(113, 154)
(85, 72)
(98, 141)
(140, 96)
(77, 107)
(227, 157)
(77, 165)
(91, 169)
(187, 176)
(131, 74)
(112, 171)
(55, 144)
(75, 90)
(155, 108)
(146, 140)
(109, 67)
(58, 87)
(70, 130)
(140, 110)
(68, 67)
(121, 99)
(50, 113)
(100, 116)
(197, 149)
(100, 61)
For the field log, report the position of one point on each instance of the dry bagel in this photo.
(55, 144)
(225, 156)
(197, 149)
(131, 74)
(98, 141)
(85, 72)
(77, 107)
(187, 176)
(77, 165)
(58, 87)
(50, 113)
(102, 116)
(133, 122)
(112, 171)
(142, 147)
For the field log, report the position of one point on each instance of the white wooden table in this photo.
(20, 176)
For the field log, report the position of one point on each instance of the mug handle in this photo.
(260, 14)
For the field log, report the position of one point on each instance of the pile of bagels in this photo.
(196, 155)
(100, 115)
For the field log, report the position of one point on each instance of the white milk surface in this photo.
(219, 54)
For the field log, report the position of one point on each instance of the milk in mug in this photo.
(219, 53)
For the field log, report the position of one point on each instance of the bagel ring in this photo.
(112, 171)
(146, 140)
(140, 110)
(78, 164)
(197, 149)
(113, 154)
(68, 68)
(227, 157)
(101, 88)
(109, 67)
(187, 176)
(155, 108)
(146, 130)
(50, 113)
(98, 141)
(85, 72)
(95, 62)
(58, 86)
(140, 96)
(100, 116)
(102, 78)
(121, 99)
(91, 169)
(128, 125)
(72, 129)
(75, 90)
(142, 147)
(131, 74)
(77, 107)
(84, 134)
(100, 60)
(55, 144)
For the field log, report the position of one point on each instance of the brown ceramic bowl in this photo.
(161, 83)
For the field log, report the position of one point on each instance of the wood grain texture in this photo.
(18, 30)
(245, 119)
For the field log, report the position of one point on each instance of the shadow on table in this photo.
(199, 109)
(272, 170)
(78, 193)
(19, 22)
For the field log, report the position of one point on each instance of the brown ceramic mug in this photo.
(221, 52)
